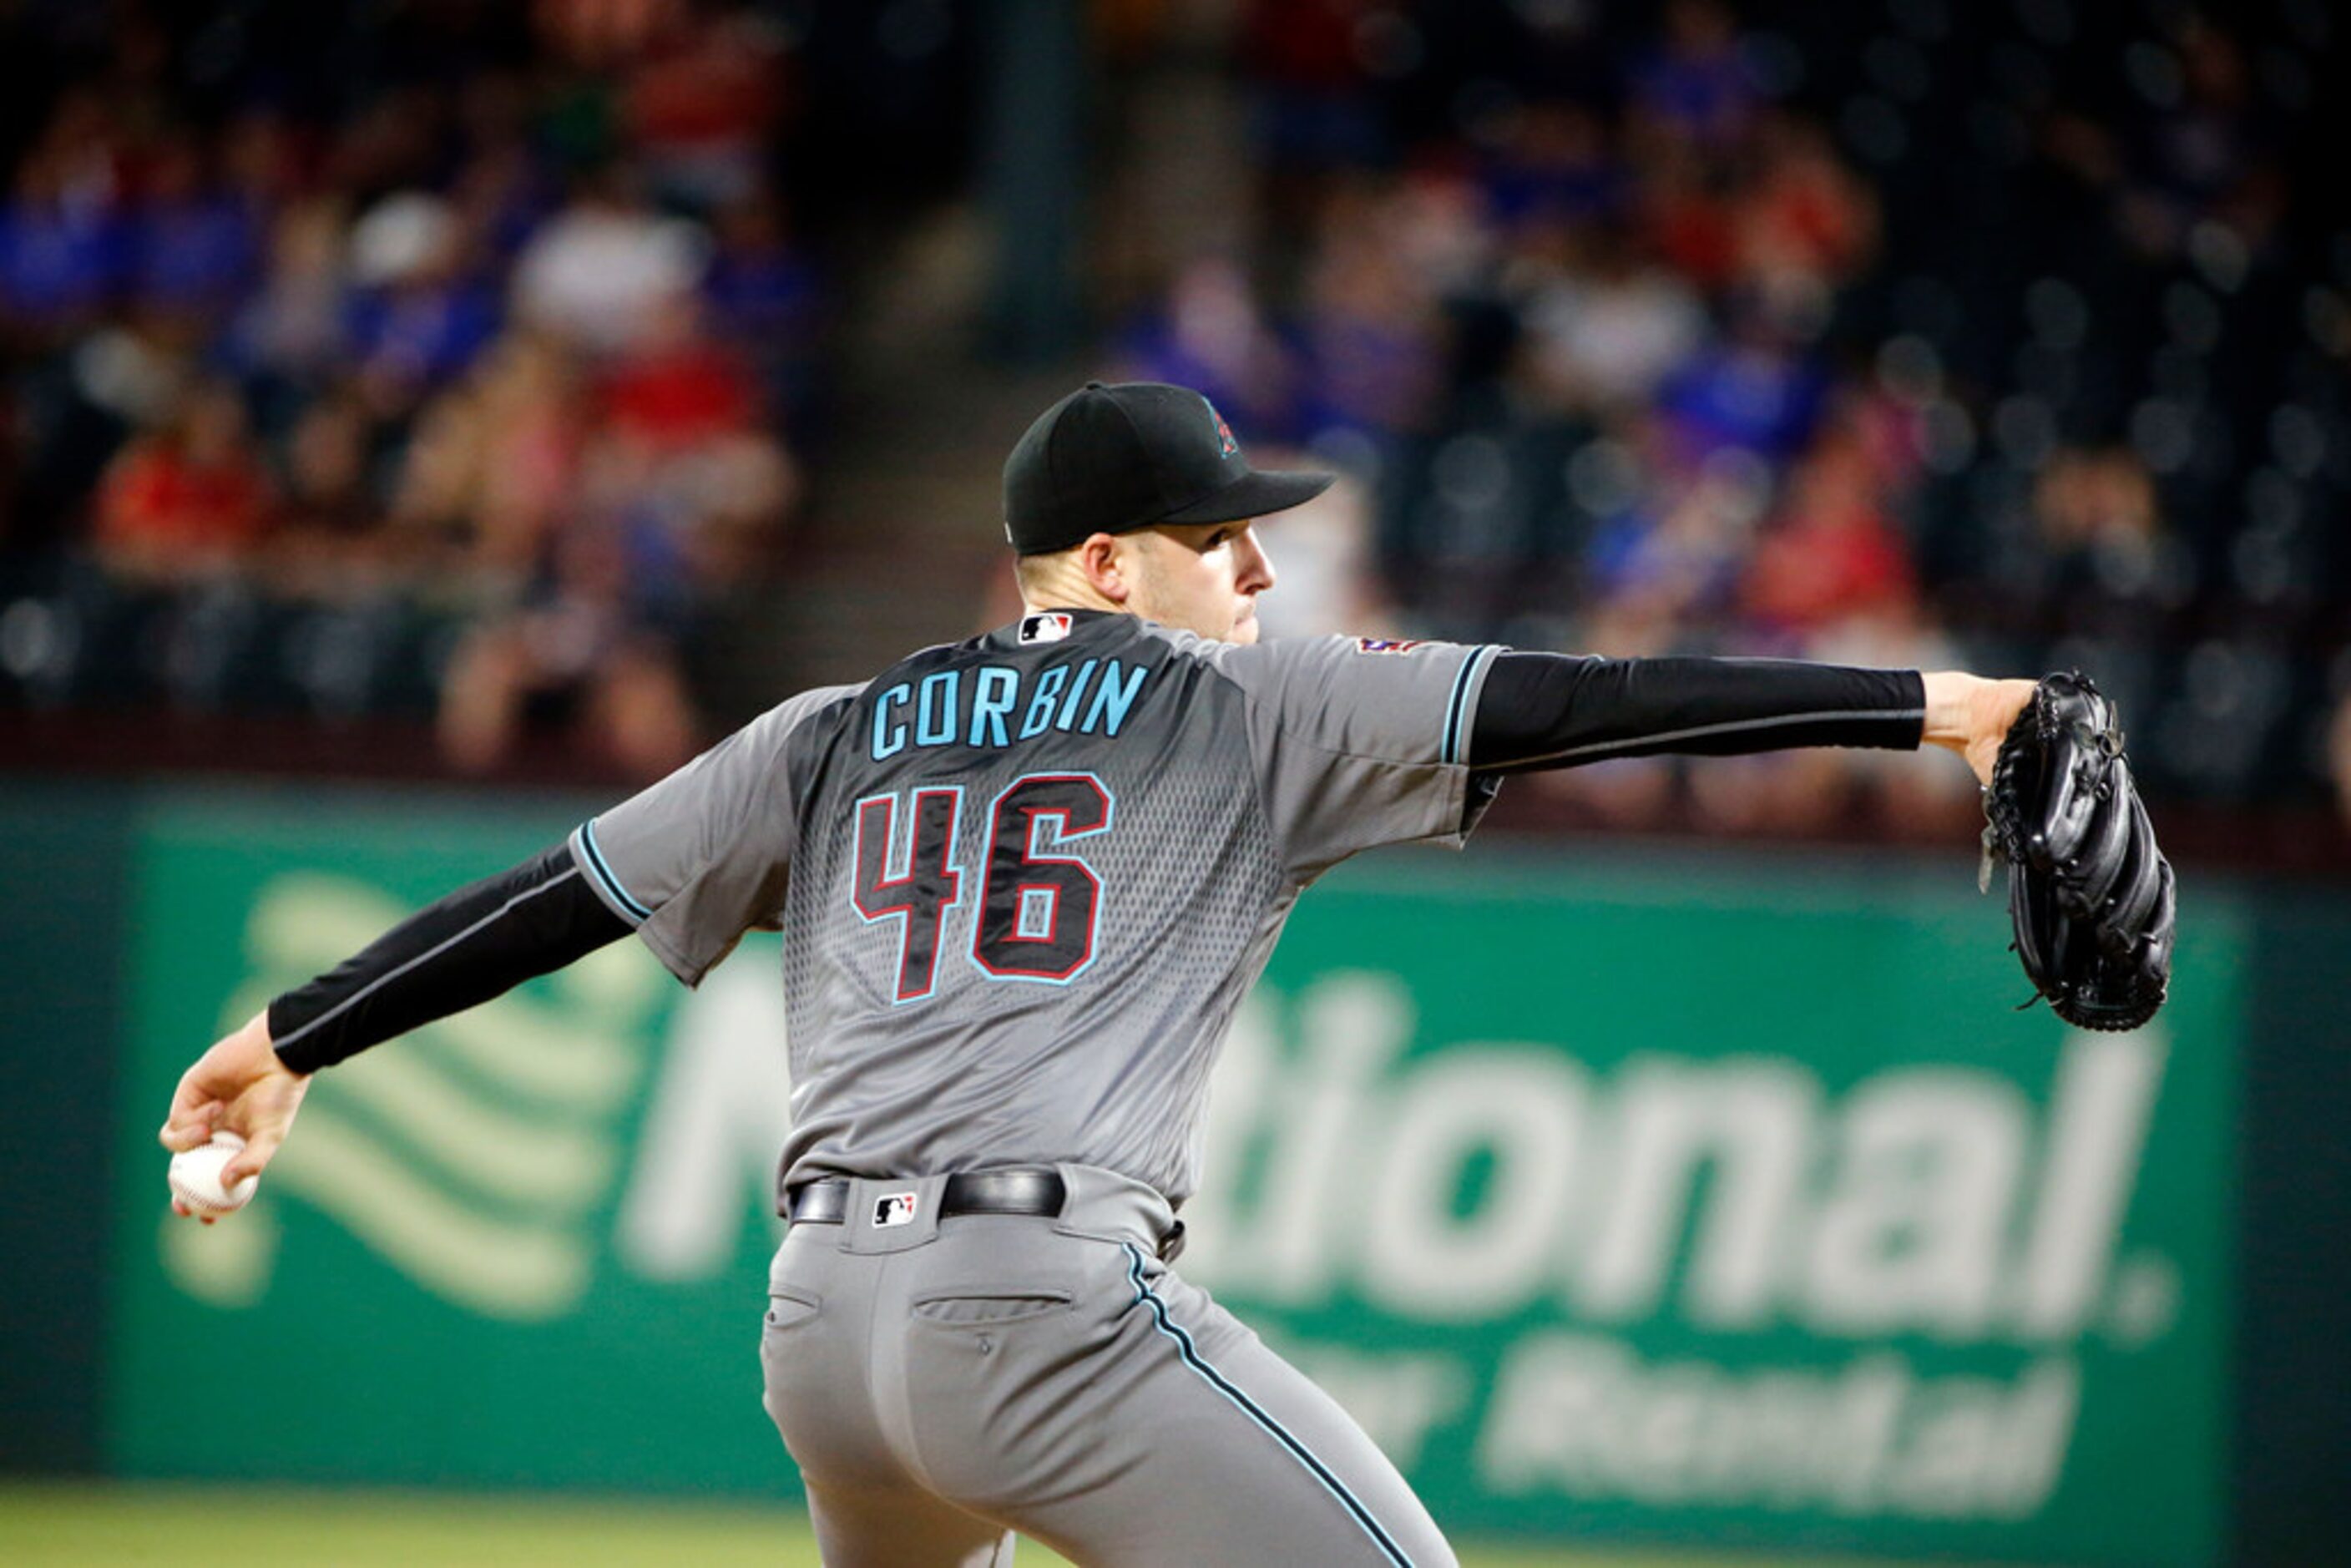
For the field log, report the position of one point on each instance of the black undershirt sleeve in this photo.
(477, 943)
(1554, 710)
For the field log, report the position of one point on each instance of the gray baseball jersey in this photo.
(1025, 880)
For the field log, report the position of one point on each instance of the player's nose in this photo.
(1256, 574)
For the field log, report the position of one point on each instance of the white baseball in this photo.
(196, 1176)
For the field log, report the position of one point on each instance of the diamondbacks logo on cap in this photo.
(894, 1208)
(1051, 628)
(1386, 645)
(1231, 448)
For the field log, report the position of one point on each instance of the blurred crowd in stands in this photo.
(438, 358)
(2012, 335)
(461, 359)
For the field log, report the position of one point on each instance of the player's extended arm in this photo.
(476, 944)
(1551, 710)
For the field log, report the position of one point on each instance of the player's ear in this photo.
(1107, 571)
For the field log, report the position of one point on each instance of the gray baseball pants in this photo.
(942, 1384)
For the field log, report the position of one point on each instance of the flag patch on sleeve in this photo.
(1386, 645)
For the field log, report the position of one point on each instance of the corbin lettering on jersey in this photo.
(994, 705)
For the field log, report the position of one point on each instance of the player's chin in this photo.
(1244, 630)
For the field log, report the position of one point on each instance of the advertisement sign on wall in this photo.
(1678, 1205)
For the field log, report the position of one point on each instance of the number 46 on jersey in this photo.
(1036, 907)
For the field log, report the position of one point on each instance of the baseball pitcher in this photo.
(1024, 881)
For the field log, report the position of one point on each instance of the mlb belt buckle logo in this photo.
(1044, 628)
(894, 1208)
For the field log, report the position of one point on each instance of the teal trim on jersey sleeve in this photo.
(1455, 746)
(601, 873)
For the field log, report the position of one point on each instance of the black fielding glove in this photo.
(2089, 895)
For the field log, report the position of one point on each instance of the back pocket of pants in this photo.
(790, 1310)
(990, 1308)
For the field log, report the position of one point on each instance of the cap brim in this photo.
(1255, 494)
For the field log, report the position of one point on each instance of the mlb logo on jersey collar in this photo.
(1050, 627)
(894, 1208)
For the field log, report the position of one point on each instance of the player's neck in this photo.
(1066, 596)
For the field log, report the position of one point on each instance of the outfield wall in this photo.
(1676, 1195)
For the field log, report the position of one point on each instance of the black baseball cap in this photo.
(1135, 455)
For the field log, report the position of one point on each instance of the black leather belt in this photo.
(826, 1202)
(969, 1192)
